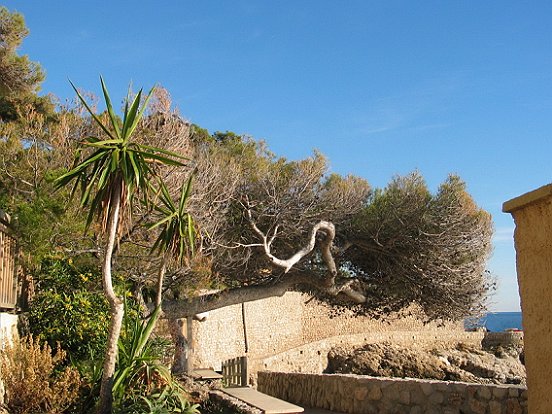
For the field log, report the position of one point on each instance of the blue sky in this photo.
(381, 88)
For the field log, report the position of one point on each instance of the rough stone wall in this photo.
(358, 394)
(507, 340)
(313, 357)
(271, 326)
(294, 333)
(533, 240)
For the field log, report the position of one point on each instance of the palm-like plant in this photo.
(177, 234)
(116, 170)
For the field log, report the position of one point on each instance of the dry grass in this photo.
(34, 380)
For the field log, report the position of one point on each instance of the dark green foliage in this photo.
(69, 308)
(20, 78)
(412, 246)
(227, 137)
(36, 221)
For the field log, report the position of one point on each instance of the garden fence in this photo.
(234, 372)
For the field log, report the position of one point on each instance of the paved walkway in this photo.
(266, 403)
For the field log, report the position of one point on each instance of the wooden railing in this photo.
(8, 272)
(234, 372)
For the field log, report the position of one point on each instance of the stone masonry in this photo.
(358, 394)
(294, 333)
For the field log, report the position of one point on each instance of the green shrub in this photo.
(69, 308)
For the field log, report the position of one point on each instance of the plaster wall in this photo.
(532, 214)
(8, 327)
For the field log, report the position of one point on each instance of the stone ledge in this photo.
(528, 198)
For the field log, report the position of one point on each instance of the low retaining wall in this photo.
(357, 394)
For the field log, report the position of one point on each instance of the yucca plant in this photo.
(177, 234)
(164, 402)
(138, 367)
(116, 170)
(142, 384)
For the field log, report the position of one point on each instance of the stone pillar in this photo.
(181, 363)
(532, 214)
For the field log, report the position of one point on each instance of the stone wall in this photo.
(361, 394)
(313, 357)
(294, 333)
(532, 214)
(506, 340)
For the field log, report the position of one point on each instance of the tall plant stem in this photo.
(160, 278)
(116, 307)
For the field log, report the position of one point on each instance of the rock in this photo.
(477, 407)
(463, 363)
(361, 393)
(495, 407)
(485, 393)
(500, 393)
(374, 394)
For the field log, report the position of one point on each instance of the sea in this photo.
(496, 321)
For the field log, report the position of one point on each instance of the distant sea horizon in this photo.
(496, 321)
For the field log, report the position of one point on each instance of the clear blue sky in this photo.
(381, 88)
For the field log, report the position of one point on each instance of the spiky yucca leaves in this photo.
(177, 233)
(115, 162)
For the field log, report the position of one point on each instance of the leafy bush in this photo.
(34, 379)
(69, 308)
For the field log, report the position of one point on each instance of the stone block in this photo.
(459, 388)
(477, 407)
(455, 399)
(361, 393)
(443, 386)
(471, 390)
(416, 410)
(417, 397)
(500, 393)
(404, 397)
(484, 393)
(513, 406)
(427, 388)
(513, 392)
(495, 407)
(436, 398)
(374, 393)
(391, 392)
